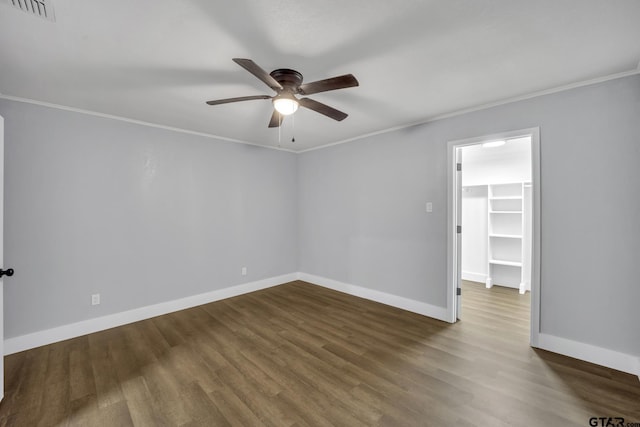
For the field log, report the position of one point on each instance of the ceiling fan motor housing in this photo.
(289, 79)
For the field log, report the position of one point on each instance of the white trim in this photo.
(343, 141)
(536, 214)
(1, 255)
(483, 107)
(590, 353)
(474, 277)
(138, 122)
(403, 303)
(587, 352)
(452, 245)
(60, 333)
(535, 232)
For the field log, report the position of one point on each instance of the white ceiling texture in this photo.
(158, 61)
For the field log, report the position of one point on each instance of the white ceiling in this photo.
(158, 61)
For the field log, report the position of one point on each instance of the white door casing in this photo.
(458, 238)
(454, 185)
(1, 257)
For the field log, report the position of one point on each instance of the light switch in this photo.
(429, 207)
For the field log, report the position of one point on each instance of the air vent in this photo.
(40, 8)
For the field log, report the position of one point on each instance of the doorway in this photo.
(494, 219)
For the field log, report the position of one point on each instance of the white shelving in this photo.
(503, 262)
(507, 235)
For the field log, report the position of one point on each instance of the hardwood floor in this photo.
(299, 354)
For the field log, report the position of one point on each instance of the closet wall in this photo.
(482, 167)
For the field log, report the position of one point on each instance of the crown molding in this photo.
(455, 113)
(137, 122)
(484, 107)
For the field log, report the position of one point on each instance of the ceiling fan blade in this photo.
(340, 82)
(321, 108)
(276, 119)
(242, 98)
(255, 69)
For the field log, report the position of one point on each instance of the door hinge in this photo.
(459, 291)
(458, 229)
(458, 166)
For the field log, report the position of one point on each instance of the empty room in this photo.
(293, 213)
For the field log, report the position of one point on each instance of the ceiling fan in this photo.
(287, 84)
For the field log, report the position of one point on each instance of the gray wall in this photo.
(143, 215)
(139, 214)
(362, 218)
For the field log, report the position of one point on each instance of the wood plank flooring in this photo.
(302, 355)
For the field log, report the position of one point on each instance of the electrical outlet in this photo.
(95, 299)
(429, 207)
(244, 271)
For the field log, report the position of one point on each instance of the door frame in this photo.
(453, 261)
(1, 257)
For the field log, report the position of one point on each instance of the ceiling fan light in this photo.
(285, 106)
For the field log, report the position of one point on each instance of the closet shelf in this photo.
(503, 262)
(507, 236)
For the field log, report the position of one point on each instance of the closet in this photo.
(496, 214)
(508, 235)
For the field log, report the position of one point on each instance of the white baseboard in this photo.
(590, 353)
(60, 333)
(414, 306)
(474, 277)
(587, 352)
